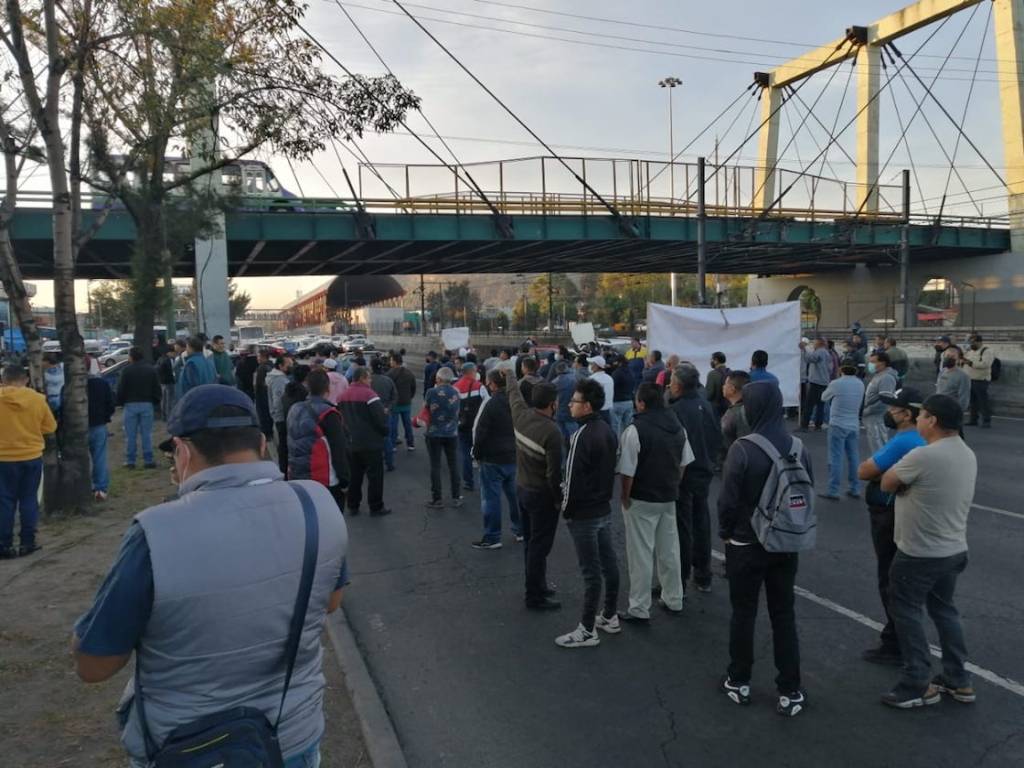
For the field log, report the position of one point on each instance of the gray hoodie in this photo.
(883, 381)
(277, 380)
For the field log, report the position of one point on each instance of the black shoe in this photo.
(151, 465)
(467, 487)
(738, 693)
(380, 512)
(629, 618)
(544, 604)
(389, 469)
(550, 590)
(901, 699)
(853, 495)
(829, 496)
(887, 657)
(129, 466)
(352, 511)
(704, 587)
(485, 544)
(964, 694)
(457, 501)
(435, 504)
(27, 549)
(8, 553)
(791, 704)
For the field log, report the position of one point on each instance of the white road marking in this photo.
(1003, 682)
(996, 510)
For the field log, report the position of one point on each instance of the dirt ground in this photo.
(50, 718)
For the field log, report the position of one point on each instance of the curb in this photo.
(378, 732)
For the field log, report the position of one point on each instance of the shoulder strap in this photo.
(764, 444)
(309, 557)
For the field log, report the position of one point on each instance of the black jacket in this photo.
(747, 466)
(405, 384)
(165, 370)
(244, 373)
(101, 401)
(365, 419)
(624, 384)
(139, 384)
(589, 470)
(716, 378)
(703, 430)
(662, 442)
(494, 438)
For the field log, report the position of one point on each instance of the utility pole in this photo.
(551, 305)
(702, 238)
(670, 83)
(905, 253)
(423, 306)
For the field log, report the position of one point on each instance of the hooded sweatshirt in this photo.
(26, 417)
(747, 466)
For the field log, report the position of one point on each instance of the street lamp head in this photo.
(670, 82)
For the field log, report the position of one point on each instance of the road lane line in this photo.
(996, 510)
(1003, 682)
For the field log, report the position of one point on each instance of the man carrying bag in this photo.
(223, 594)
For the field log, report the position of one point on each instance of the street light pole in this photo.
(670, 83)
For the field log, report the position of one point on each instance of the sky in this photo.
(584, 74)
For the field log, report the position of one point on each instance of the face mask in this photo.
(181, 462)
(889, 421)
(872, 368)
(948, 362)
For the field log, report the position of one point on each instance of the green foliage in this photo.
(454, 304)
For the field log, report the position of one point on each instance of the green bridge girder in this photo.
(282, 242)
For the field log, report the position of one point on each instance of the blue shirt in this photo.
(846, 395)
(762, 374)
(442, 403)
(900, 445)
(114, 624)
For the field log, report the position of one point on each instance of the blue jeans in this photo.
(406, 418)
(308, 759)
(916, 583)
(98, 452)
(19, 486)
(466, 457)
(495, 480)
(138, 418)
(596, 555)
(622, 415)
(843, 443)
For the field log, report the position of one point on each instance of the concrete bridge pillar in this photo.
(1009, 33)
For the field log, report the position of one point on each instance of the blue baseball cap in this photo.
(192, 412)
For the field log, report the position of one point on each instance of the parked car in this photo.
(114, 357)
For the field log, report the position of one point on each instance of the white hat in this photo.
(598, 361)
(330, 364)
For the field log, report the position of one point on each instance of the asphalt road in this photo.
(471, 678)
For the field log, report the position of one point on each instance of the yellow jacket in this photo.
(24, 419)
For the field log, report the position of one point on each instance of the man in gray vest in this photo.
(208, 613)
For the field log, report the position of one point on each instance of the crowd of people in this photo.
(550, 436)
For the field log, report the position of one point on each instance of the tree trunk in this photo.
(148, 266)
(14, 287)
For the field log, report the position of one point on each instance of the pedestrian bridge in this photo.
(536, 215)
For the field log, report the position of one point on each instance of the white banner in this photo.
(694, 334)
(582, 333)
(454, 338)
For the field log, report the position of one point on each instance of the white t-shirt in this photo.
(931, 515)
(607, 385)
(629, 451)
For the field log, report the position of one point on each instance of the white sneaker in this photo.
(578, 638)
(611, 626)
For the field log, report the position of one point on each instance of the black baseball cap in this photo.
(908, 397)
(945, 339)
(192, 412)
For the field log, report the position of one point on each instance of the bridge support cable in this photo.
(753, 101)
(906, 143)
(749, 89)
(627, 227)
(888, 49)
(941, 106)
(473, 184)
(501, 222)
(773, 169)
(764, 80)
(963, 116)
(834, 139)
(362, 158)
(919, 110)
